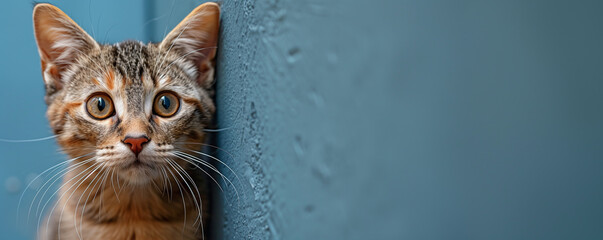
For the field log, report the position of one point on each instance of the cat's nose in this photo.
(136, 143)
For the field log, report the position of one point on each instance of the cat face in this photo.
(133, 108)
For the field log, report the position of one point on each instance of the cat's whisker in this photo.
(113, 185)
(199, 160)
(208, 145)
(200, 210)
(102, 193)
(182, 196)
(96, 182)
(217, 159)
(212, 146)
(163, 182)
(52, 179)
(41, 174)
(199, 206)
(186, 158)
(179, 171)
(216, 130)
(93, 181)
(216, 170)
(77, 185)
(171, 192)
(28, 140)
(80, 180)
(56, 177)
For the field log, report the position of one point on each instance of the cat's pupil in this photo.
(100, 103)
(165, 102)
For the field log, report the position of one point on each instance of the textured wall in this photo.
(311, 94)
(412, 119)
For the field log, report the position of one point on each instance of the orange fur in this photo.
(110, 79)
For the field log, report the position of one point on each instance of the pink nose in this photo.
(136, 143)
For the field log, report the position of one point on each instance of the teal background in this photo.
(359, 119)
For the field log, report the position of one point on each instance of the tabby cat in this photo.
(132, 118)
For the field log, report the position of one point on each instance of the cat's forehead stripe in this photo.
(110, 79)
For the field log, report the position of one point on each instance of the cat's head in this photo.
(129, 107)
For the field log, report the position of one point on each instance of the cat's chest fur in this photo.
(113, 213)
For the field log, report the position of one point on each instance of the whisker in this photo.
(102, 192)
(88, 197)
(39, 175)
(198, 205)
(180, 170)
(182, 196)
(208, 145)
(113, 186)
(187, 158)
(216, 130)
(218, 160)
(27, 140)
(56, 177)
(164, 181)
(201, 161)
(80, 181)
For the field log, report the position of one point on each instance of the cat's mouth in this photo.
(137, 164)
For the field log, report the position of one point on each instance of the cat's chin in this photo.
(138, 173)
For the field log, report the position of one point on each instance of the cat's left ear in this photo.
(196, 39)
(60, 42)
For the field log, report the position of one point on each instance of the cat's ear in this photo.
(196, 39)
(60, 41)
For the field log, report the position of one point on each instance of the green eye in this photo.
(166, 104)
(100, 106)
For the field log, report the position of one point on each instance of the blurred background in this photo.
(385, 119)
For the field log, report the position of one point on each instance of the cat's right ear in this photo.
(60, 41)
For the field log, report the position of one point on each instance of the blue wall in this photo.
(369, 119)
(412, 119)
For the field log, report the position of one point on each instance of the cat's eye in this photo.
(100, 106)
(166, 104)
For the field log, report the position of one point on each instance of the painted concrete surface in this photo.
(411, 119)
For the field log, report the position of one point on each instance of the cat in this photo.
(131, 117)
